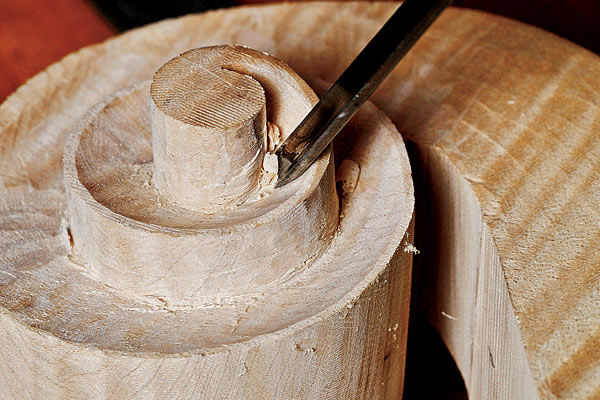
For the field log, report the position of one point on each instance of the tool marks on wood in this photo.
(159, 298)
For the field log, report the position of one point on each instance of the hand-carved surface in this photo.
(335, 327)
(503, 115)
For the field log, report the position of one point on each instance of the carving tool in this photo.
(355, 86)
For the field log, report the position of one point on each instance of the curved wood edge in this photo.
(463, 89)
(225, 256)
(353, 348)
(459, 285)
(514, 111)
(358, 352)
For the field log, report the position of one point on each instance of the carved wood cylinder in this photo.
(209, 130)
(169, 266)
(125, 191)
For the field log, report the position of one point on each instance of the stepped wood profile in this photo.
(160, 260)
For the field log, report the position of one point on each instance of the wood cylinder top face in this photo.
(376, 213)
(71, 334)
(209, 131)
(128, 224)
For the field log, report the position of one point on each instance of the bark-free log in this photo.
(156, 295)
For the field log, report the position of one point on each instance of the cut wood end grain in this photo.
(209, 130)
(209, 339)
(212, 185)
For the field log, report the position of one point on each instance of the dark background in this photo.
(36, 33)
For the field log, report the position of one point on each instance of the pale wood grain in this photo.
(509, 111)
(334, 326)
(209, 129)
(515, 112)
(192, 214)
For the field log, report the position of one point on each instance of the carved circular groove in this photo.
(362, 263)
(133, 238)
(342, 319)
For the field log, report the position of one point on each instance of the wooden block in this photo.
(202, 104)
(108, 291)
(502, 118)
(179, 195)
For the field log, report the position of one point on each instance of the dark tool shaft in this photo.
(355, 86)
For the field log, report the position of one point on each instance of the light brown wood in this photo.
(212, 102)
(129, 226)
(209, 125)
(503, 120)
(109, 292)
